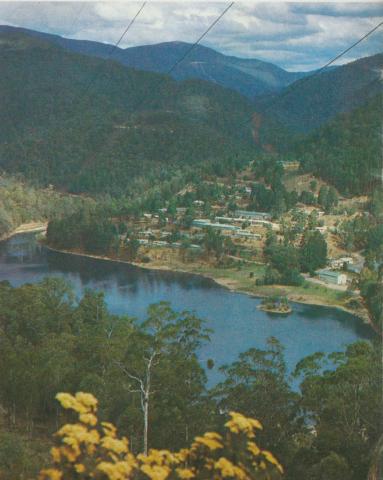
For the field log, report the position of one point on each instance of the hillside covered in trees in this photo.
(346, 152)
(87, 124)
(312, 101)
(321, 431)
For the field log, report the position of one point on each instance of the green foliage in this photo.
(309, 103)
(249, 385)
(20, 202)
(89, 230)
(284, 266)
(327, 198)
(313, 253)
(346, 151)
(344, 405)
(214, 242)
(51, 342)
(73, 346)
(275, 199)
(129, 125)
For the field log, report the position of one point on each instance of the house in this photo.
(333, 277)
(246, 234)
(248, 215)
(202, 223)
(340, 262)
(292, 166)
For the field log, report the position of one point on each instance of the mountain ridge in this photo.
(250, 77)
(309, 103)
(88, 124)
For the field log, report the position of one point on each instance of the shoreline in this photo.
(30, 227)
(275, 310)
(301, 299)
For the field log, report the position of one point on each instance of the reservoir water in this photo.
(234, 317)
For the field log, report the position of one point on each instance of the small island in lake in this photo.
(275, 304)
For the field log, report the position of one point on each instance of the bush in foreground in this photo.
(92, 450)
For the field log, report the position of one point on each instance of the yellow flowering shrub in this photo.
(92, 450)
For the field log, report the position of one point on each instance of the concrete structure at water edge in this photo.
(333, 277)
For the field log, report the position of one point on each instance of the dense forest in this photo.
(21, 202)
(347, 151)
(312, 101)
(93, 125)
(320, 431)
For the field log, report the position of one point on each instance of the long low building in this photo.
(331, 276)
(202, 223)
(246, 234)
(245, 214)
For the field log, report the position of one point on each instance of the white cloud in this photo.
(293, 35)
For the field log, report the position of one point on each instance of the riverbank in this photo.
(242, 280)
(31, 227)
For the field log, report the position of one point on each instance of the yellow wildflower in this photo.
(182, 455)
(253, 448)
(270, 458)
(69, 454)
(55, 454)
(241, 424)
(185, 473)
(156, 472)
(79, 467)
(115, 445)
(208, 441)
(50, 474)
(115, 471)
(109, 429)
(228, 469)
(68, 401)
(87, 399)
(88, 418)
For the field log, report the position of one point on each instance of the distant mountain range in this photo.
(250, 77)
(310, 102)
(88, 124)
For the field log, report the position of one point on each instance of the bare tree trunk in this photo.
(146, 424)
(145, 392)
(376, 463)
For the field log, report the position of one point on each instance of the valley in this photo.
(191, 240)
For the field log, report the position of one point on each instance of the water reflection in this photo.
(237, 323)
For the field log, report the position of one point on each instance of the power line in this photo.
(177, 62)
(182, 58)
(199, 39)
(317, 72)
(115, 46)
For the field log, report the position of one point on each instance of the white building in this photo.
(330, 276)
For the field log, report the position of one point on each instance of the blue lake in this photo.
(234, 317)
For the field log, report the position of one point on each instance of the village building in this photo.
(333, 277)
(249, 215)
(340, 262)
(202, 223)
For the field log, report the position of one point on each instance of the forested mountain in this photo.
(347, 150)
(93, 125)
(250, 77)
(310, 102)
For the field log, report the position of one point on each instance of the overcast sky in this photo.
(295, 36)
